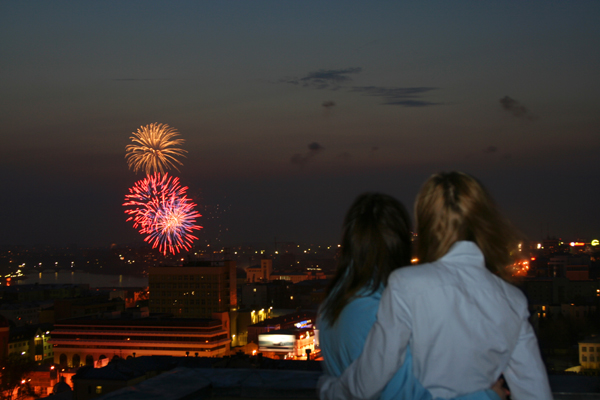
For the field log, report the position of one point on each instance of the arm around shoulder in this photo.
(381, 357)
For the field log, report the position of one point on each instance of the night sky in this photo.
(289, 110)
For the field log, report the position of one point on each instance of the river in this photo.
(79, 277)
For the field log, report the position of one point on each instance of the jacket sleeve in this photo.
(525, 373)
(382, 355)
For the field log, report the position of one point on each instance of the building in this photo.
(90, 305)
(265, 295)
(32, 342)
(560, 290)
(589, 353)
(47, 379)
(179, 378)
(4, 337)
(295, 343)
(22, 314)
(295, 277)
(92, 341)
(32, 293)
(300, 319)
(194, 290)
(90, 383)
(260, 273)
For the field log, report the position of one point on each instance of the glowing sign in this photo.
(304, 324)
(276, 342)
(595, 242)
(573, 244)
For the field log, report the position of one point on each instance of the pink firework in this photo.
(162, 211)
(146, 195)
(172, 226)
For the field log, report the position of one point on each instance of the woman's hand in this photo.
(501, 390)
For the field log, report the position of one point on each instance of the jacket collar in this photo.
(464, 252)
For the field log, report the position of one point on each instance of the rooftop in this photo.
(259, 378)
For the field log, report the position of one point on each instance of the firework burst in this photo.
(154, 149)
(172, 225)
(161, 210)
(146, 196)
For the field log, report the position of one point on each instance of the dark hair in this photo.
(455, 206)
(376, 240)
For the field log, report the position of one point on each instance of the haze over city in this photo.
(289, 110)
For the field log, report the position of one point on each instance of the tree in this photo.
(14, 370)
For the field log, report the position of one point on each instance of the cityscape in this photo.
(242, 305)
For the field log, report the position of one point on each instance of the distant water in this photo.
(78, 277)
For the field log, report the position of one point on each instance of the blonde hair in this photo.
(455, 206)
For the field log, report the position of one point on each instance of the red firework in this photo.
(163, 212)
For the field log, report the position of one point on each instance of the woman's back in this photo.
(466, 323)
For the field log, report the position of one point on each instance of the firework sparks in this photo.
(160, 208)
(146, 196)
(172, 226)
(154, 149)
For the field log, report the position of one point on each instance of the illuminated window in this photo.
(98, 389)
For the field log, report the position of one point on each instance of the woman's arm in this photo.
(526, 374)
(382, 356)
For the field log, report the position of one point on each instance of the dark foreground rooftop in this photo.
(224, 384)
(183, 378)
(204, 383)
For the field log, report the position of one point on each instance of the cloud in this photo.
(334, 79)
(314, 148)
(516, 109)
(406, 96)
(142, 79)
(328, 108)
(324, 78)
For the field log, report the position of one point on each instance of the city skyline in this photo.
(291, 110)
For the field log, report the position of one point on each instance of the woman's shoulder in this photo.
(417, 276)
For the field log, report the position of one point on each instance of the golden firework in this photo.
(154, 149)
